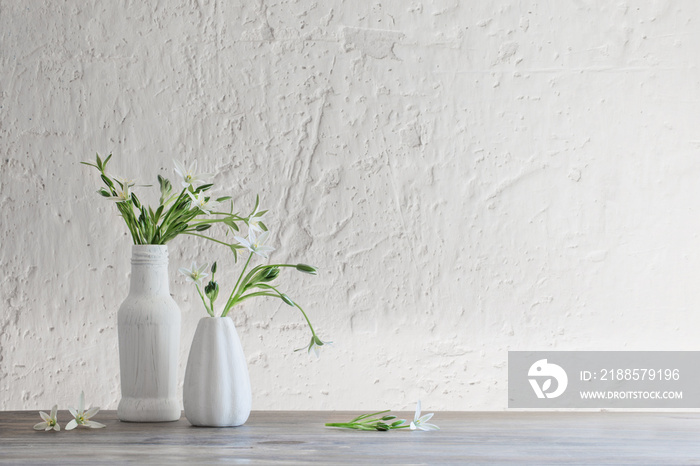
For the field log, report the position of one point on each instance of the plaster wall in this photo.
(469, 177)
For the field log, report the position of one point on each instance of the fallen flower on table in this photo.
(82, 418)
(50, 422)
(421, 422)
(380, 421)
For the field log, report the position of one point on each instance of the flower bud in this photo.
(306, 269)
(107, 181)
(287, 299)
(270, 274)
(382, 427)
(135, 200)
(213, 267)
(212, 290)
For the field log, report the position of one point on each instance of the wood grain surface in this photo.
(300, 437)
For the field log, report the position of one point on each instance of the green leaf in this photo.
(99, 162)
(222, 199)
(104, 162)
(263, 226)
(104, 192)
(260, 214)
(203, 227)
(257, 202)
(91, 164)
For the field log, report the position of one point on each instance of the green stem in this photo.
(282, 265)
(213, 220)
(364, 416)
(232, 298)
(307, 319)
(235, 217)
(311, 327)
(243, 298)
(174, 207)
(251, 295)
(187, 232)
(209, 310)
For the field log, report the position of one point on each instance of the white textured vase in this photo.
(217, 385)
(149, 340)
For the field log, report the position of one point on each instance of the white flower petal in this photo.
(73, 412)
(48, 428)
(425, 418)
(428, 427)
(94, 424)
(91, 412)
(40, 426)
(262, 238)
(179, 169)
(72, 424)
(57, 428)
(417, 415)
(81, 404)
(44, 416)
(243, 242)
(54, 410)
(413, 426)
(260, 253)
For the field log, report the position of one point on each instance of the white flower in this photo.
(50, 422)
(200, 201)
(422, 422)
(188, 173)
(254, 222)
(315, 346)
(82, 418)
(125, 181)
(194, 274)
(123, 194)
(256, 245)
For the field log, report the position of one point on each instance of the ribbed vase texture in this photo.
(217, 385)
(149, 340)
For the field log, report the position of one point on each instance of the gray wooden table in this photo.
(300, 437)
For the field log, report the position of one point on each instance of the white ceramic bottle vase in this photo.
(149, 340)
(217, 385)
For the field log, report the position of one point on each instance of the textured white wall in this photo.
(470, 177)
